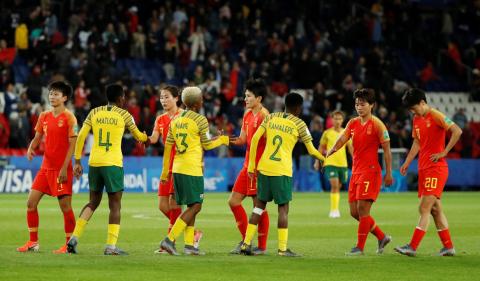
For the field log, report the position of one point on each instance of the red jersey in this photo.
(430, 131)
(366, 139)
(250, 124)
(162, 123)
(58, 131)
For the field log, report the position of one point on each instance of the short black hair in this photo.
(114, 91)
(293, 101)
(63, 87)
(174, 91)
(365, 94)
(257, 87)
(413, 96)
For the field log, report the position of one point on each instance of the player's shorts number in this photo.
(184, 145)
(277, 140)
(431, 183)
(367, 184)
(107, 142)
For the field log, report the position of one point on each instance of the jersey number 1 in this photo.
(107, 142)
(277, 140)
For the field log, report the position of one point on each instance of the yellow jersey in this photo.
(282, 132)
(108, 124)
(339, 159)
(189, 133)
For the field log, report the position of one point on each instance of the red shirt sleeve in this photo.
(39, 125)
(441, 120)
(382, 132)
(72, 126)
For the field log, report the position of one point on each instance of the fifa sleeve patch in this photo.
(386, 136)
(448, 121)
(75, 129)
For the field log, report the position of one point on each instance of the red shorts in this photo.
(364, 186)
(244, 185)
(46, 182)
(165, 189)
(431, 181)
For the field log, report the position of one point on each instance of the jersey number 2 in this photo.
(107, 142)
(277, 140)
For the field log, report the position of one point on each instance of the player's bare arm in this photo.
(456, 133)
(62, 176)
(341, 141)
(387, 156)
(411, 155)
(240, 140)
(33, 145)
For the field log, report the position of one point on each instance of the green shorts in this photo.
(188, 189)
(337, 172)
(109, 176)
(278, 188)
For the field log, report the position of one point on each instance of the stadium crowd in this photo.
(326, 49)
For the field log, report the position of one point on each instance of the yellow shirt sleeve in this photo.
(82, 135)
(253, 148)
(130, 124)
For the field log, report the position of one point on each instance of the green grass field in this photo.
(321, 240)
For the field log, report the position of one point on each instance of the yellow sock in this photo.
(112, 237)
(177, 229)
(79, 227)
(282, 239)
(334, 201)
(189, 235)
(251, 229)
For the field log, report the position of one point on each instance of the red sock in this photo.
(68, 223)
(241, 218)
(32, 222)
(377, 231)
(167, 214)
(263, 226)
(363, 229)
(174, 214)
(416, 238)
(445, 237)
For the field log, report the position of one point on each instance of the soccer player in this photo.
(169, 98)
(336, 167)
(108, 124)
(428, 132)
(59, 126)
(367, 133)
(255, 91)
(282, 130)
(189, 132)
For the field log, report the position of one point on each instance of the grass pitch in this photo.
(321, 240)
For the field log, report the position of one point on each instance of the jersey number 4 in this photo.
(277, 140)
(107, 142)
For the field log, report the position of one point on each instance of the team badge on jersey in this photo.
(428, 123)
(60, 123)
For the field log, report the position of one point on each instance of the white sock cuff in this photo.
(257, 211)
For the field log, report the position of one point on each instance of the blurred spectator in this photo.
(460, 118)
(11, 100)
